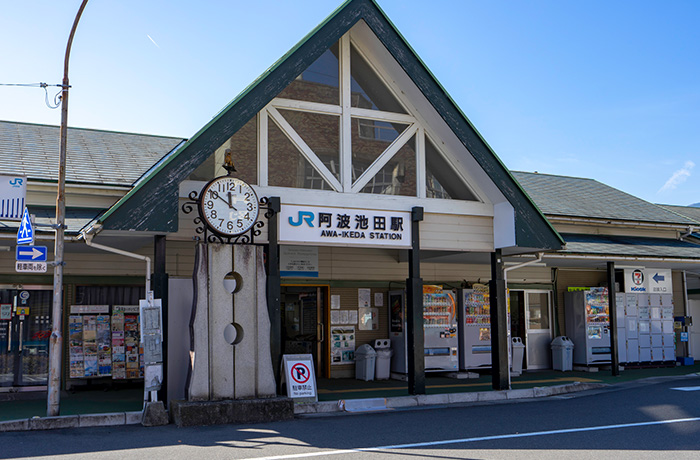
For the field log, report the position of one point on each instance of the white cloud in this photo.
(678, 177)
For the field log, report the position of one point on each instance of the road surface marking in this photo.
(687, 388)
(481, 438)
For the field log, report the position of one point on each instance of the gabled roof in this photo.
(94, 156)
(588, 198)
(690, 212)
(152, 205)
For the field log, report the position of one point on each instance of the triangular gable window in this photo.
(321, 133)
(339, 126)
(368, 90)
(441, 179)
(294, 170)
(398, 175)
(319, 83)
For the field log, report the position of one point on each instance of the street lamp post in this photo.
(56, 341)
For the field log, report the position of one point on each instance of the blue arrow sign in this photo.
(25, 235)
(33, 253)
(658, 277)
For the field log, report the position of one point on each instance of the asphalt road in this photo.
(632, 421)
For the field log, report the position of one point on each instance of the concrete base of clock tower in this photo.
(230, 325)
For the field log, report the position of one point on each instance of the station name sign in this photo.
(345, 226)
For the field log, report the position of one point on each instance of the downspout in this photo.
(540, 255)
(88, 240)
(690, 231)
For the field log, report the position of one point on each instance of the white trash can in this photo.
(365, 358)
(518, 355)
(562, 354)
(382, 370)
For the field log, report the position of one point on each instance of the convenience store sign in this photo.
(344, 226)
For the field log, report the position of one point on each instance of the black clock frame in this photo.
(211, 235)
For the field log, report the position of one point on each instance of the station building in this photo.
(382, 182)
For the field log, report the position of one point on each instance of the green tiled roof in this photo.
(588, 198)
(93, 156)
(76, 219)
(605, 245)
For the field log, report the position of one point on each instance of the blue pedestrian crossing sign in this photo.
(25, 235)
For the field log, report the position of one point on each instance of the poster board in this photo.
(300, 378)
(342, 345)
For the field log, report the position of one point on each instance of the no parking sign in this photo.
(299, 377)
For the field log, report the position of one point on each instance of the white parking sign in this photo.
(299, 377)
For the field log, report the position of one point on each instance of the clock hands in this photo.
(230, 204)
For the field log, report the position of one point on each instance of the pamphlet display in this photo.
(104, 345)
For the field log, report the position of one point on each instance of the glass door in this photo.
(538, 331)
(303, 310)
(25, 329)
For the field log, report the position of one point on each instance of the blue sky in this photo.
(606, 90)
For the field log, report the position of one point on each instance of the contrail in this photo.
(154, 42)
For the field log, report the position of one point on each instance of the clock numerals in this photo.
(229, 206)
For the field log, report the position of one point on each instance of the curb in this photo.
(400, 402)
(318, 408)
(72, 421)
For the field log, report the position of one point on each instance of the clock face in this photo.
(229, 206)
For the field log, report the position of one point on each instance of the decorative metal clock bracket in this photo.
(203, 231)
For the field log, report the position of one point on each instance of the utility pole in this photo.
(56, 341)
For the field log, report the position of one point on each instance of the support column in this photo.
(612, 311)
(500, 376)
(159, 283)
(273, 288)
(414, 310)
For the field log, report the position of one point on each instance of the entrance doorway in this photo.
(304, 310)
(530, 319)
(25, 329)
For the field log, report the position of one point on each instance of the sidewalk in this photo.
(80, 402)
(113, 404)
(336, 389)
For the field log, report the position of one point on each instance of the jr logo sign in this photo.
(303, 216)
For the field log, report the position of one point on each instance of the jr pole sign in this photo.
(13, 192)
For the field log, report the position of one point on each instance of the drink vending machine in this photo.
(588, 325)
(439, 329)
(475, 328)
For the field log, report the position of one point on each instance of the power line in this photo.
(56, 98)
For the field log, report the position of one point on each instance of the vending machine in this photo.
(439, 329)
(588, 325)
(474, 327)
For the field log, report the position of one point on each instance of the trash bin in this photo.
(365, 357)
(562, 354)
(382, 369)
(518, 354)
